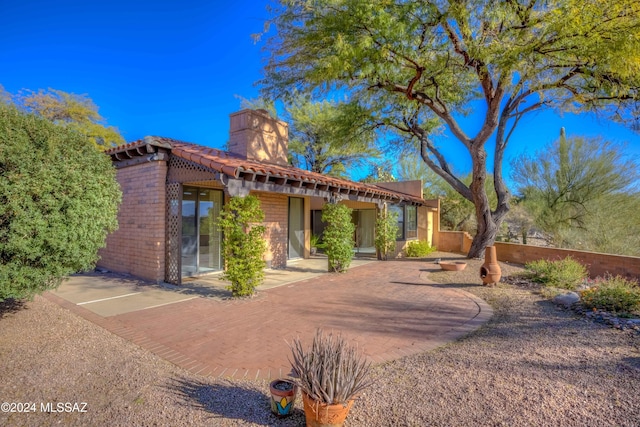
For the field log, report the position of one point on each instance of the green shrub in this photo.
(419, 249)
(566, 273)
(386, 233)
(58, 201)
(316, 242)
(615, 294)
(243, 245)
(338, 236)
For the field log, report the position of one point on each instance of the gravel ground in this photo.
(532, 365)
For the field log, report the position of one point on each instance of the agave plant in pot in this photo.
(330, 374)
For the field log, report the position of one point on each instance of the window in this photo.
(407, 221)
(411, 222)
(400, 213)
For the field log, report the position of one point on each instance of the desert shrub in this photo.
(419, 248)
(565, 273)
(58, 201)
(331, 371)
(243, 245)
(338, 236)
(615, 294)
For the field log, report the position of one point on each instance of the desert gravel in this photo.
(532, 364)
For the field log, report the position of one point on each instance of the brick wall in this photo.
(276, 219)
(138, 246)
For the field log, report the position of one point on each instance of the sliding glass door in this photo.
(296, 228)
(201, 240)
(365, 222)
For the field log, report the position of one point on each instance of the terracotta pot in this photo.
(453, 266)
(490, 272)
(322, 415)
(283, 395)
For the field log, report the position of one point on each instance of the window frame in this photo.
(404, 231)
(411, 221)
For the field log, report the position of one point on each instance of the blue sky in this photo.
(174, 68)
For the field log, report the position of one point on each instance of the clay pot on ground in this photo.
(490, 272)
(319, 414)
(453, 265)
(283, 395)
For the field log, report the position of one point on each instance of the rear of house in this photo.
(173, 192)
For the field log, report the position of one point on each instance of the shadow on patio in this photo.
(228, 400)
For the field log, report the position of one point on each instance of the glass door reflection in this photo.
(201, 240)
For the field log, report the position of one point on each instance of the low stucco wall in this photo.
(454, 241)
(598, 264)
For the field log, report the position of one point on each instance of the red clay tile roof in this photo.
(235, 166)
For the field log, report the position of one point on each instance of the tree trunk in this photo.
(486, 236)
(487, 227)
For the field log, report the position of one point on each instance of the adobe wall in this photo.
(598, 264)
(423, 224)
(138, 246)
(453, 241)
(255, 135)
(413, 188)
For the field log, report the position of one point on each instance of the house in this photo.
(173, 192)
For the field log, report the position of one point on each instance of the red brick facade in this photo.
(148, 243)
(276, 218)
(138, 246)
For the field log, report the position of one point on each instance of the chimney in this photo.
(255, 135)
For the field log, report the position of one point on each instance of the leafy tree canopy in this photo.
(76, 112)
(381, 171)
(419, 64)
(58, 200)
(330, 138)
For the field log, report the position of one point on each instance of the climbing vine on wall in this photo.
(338, 236)
(386, 233)
(243, 245)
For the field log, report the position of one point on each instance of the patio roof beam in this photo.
(276, 184)
(152, 157)
(249, 176)
(310, 185)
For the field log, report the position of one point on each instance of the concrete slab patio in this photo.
(388, 308)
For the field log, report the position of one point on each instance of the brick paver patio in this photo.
(387, 308)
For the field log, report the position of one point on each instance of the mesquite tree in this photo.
(421, 64)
